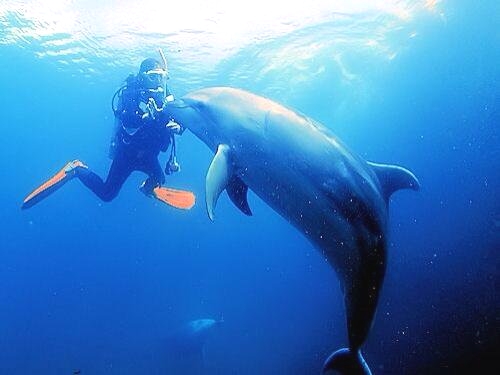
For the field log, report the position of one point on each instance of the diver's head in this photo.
(152, 80)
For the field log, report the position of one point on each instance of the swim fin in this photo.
(176, 198)
(52, 184)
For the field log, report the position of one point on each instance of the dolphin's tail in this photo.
(347, 362)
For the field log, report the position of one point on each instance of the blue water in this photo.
(98, 286)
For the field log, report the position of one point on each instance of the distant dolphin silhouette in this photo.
(190, 339)
(185, 346)
(297, 166)
(194, 334)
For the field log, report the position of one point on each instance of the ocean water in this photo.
(98, 287)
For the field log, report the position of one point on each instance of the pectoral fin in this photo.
(218, 177)
(237, 191)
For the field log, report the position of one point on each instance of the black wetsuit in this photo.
(134, 152)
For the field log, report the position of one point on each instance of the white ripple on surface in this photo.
(197, 35)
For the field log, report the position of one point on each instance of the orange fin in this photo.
(52, 184)
(177, 198)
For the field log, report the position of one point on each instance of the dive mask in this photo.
(154, 79)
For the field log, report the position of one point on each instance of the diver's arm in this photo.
(174, 127)
(171, 103)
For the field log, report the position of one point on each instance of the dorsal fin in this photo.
(393, 178)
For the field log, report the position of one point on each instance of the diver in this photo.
(143, 129)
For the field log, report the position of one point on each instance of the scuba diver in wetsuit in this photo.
(142, 130)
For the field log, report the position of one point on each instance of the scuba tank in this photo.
(125, 93)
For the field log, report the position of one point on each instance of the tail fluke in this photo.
(346, 362)
(182, 199)
(52, 184)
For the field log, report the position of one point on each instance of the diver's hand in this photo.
(152, 109)
(174, 127)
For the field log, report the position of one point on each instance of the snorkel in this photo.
(172, 164)
(170, 97)
(164, 61)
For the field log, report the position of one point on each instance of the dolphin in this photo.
(196, 332)
(187, 343)
(306, 174)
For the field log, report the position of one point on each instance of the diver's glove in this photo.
(151, 109)
(174, 127)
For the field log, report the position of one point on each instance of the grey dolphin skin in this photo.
(298, 167)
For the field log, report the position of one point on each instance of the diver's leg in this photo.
(156, 177)
(118, 173)
(152, 187)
